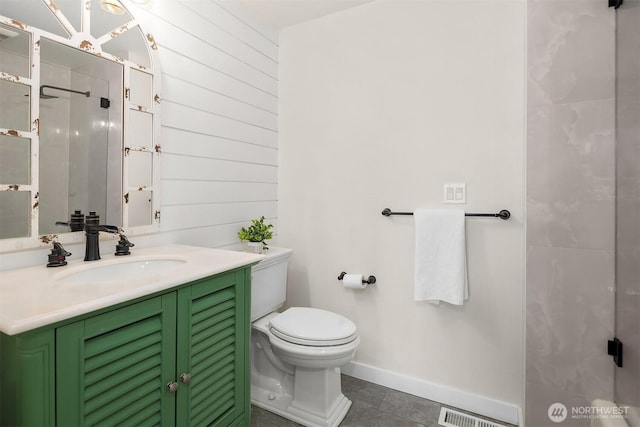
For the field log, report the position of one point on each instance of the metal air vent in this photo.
(452, 418)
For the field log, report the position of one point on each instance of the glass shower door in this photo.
(627, 377)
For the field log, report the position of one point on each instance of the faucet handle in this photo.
(76, 223)
(123, 245)
(58, 255)
(57, 246)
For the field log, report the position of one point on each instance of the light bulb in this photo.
(112, 6)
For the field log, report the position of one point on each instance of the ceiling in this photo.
(283, 13)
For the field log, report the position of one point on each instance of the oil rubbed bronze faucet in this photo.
(92, 229)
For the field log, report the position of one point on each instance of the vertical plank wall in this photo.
(219, 118)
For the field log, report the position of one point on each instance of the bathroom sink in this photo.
(117, 271)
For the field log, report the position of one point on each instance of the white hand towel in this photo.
(441, 261)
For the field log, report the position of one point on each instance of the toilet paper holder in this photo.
(370, 280)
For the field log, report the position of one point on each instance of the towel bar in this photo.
(503, 214)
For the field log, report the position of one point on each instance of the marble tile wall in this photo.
(627, 380)
(570, 206)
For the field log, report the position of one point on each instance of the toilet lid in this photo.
(313, 327)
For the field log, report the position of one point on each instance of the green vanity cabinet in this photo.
(178, 358)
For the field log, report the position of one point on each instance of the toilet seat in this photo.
(312, 327)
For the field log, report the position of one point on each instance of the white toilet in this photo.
(296, 355)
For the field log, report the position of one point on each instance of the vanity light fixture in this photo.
(112, 6)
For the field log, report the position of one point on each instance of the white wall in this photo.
(379, 106)
(219, 124)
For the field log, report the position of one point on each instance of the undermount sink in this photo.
(126, 270)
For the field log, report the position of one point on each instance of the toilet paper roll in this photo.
(353, 281)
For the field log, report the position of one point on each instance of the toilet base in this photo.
(281, 405)
(298, 383)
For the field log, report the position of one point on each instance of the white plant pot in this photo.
(254, 247)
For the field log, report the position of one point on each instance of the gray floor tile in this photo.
(362, 391)
(383, 420)
(360, 412)
(372, 406)
(262, 418)
(411, 407)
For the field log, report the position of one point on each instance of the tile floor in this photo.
(373, 406)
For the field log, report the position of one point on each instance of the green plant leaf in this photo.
(258, 231)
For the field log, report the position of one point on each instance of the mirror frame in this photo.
(84, 41)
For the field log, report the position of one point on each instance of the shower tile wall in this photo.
(627, 390)
(570, 206)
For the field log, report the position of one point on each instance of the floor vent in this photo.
(451, 418)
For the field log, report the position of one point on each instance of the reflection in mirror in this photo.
(140, 208)
(16, 161)
(130, 45)
(140, 168)
(72, 10)
(15, 217)
(103, 22)
(15, 109)
(80, 139)
(36, 14)
(15, 46)
(141, 89)
(15, 171)
(15, 117)
(141, 128)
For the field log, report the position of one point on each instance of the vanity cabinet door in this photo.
(213, 328)
(113, 369)
(27, 387)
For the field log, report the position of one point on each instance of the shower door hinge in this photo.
(614, 349)
(105, 103)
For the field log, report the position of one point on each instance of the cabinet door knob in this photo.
(172, 386)
(185, 378)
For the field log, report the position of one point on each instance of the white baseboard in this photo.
(464, 400)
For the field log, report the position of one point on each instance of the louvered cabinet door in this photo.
(212, 341)
(112, 369)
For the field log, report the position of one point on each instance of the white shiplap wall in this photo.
(219, 118)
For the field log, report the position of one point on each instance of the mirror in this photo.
(79, 120)
(80, 136)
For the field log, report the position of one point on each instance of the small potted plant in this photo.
(256, 234)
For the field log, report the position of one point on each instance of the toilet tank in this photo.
(269, 282)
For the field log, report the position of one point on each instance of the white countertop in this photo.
(38, 296)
